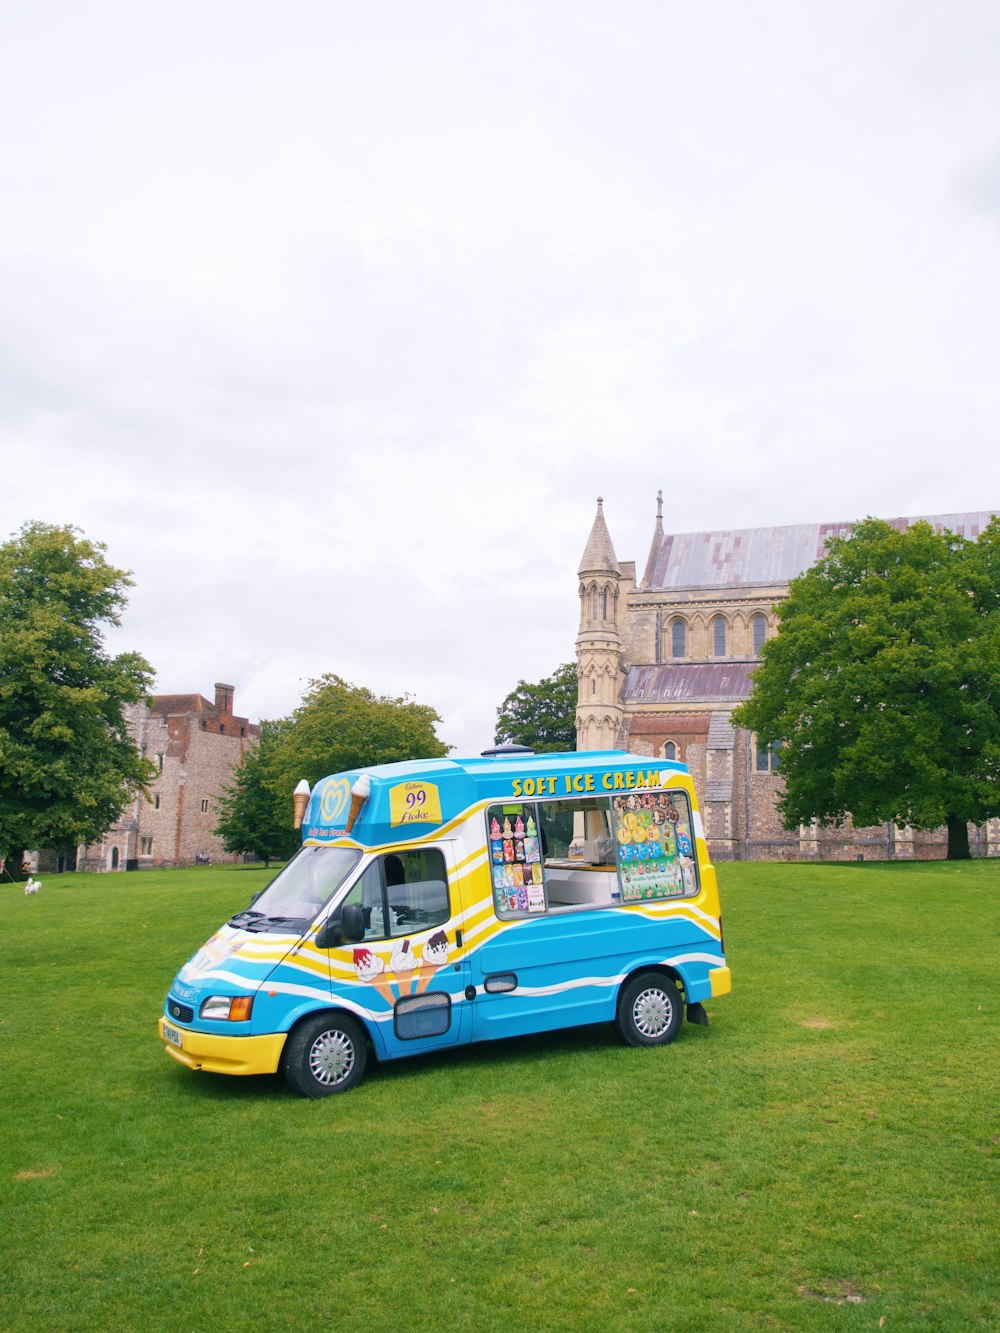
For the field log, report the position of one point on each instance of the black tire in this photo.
(325, 1054)
(650, 1010)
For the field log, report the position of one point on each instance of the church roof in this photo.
(735, 556)
(689, 682)
(599, 554)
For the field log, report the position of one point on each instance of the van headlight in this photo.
(227, 1008)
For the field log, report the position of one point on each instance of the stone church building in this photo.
(663, 658)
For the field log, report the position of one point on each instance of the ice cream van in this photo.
(447, 901)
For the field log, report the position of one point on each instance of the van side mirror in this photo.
(352, 923)
(344, 927)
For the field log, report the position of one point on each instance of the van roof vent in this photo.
(499, 750)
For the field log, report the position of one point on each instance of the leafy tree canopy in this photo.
(340, 726)
(253, 817)
(68, 766)
(543, 715)
(884, 682)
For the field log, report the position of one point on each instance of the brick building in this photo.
(196, 745)
(664, 659)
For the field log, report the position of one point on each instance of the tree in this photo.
(542, 716)
(254, 817)
(884, 682)
(338, 727)
(68, 766)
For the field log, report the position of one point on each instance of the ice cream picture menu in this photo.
(515, 858)
(653, 833)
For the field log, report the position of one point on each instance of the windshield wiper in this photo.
(268, 922)
(244, 916)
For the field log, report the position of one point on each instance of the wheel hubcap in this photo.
(331, 1058)
(651, 1012)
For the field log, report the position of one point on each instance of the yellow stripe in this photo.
(439, 831)
(472, 860)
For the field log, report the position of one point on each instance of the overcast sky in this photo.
(331, 320)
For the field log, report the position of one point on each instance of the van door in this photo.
(409, 972)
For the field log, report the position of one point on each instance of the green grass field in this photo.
(822, 1156)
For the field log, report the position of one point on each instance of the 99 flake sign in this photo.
(414, 803)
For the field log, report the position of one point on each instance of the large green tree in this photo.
(253, 816)
(884, 682)
(541, 715)
(340, 726)
(68, 766)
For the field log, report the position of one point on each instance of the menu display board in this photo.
(655, 852)
(516, 858)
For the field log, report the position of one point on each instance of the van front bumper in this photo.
(223, 1055)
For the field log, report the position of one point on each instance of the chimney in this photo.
(224, 698)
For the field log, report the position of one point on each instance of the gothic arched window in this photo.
(670, 750)
(604, 606)
(678, 638)
(719, 637)
(768, 757)
(758, 628)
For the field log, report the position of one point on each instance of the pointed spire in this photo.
(599, 555)
(656, 545)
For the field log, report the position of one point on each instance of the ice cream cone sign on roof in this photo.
(359, 794)
(300, 798)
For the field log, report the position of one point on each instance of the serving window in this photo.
(551, 856)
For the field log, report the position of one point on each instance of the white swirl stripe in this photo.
(576, 983)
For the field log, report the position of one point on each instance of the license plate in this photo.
(172, 1035)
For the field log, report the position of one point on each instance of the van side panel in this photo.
(569, 968)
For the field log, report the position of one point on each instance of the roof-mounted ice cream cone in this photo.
(300, 799)
(359, 794)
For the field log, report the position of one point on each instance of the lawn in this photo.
(822, 1156)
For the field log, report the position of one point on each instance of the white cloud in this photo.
(332, 321)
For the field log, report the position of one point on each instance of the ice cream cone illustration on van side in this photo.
(370, 969)
(404, 965)
(433, 956)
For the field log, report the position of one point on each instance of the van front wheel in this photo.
(650, 1011)
(325, 1054)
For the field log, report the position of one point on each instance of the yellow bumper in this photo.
(225, 1055)
(721, 980)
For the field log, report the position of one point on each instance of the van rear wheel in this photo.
(325, 1054)
(650, 1010)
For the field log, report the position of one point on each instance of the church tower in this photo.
(599, 712)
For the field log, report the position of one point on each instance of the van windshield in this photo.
(297, 893)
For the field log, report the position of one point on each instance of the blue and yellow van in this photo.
(447, 901)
